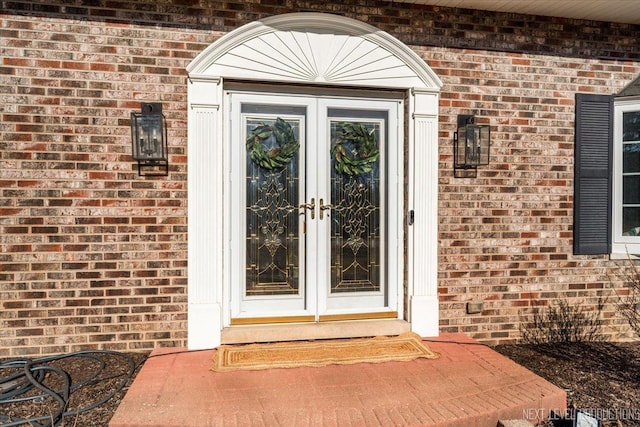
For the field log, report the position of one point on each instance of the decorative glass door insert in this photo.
(272, 220)
(356, 179)
(314, 219)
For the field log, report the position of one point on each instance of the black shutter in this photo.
(593, 164)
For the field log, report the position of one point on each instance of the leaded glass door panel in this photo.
(354, 206)
(270, 191)
(311, 192)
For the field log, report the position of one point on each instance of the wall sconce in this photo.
(149, 140)
(471, 145)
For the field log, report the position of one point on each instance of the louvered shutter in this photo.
(593, 163)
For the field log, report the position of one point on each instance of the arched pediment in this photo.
(314, 48)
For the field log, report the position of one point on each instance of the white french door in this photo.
(316, 208)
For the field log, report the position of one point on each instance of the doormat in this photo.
(400, 348)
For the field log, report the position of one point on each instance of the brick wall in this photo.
(94, 256)
(506, 236)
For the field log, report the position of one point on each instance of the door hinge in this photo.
(411, 217)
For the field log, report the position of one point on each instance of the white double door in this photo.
(316, 208)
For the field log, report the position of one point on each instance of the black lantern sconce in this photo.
(471, 145)
(149, 140)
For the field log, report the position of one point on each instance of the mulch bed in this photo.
(601, 377)
(94, 377)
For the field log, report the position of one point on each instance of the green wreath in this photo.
(276, 157)
(354, 149)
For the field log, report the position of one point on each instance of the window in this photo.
(626, 177)
(607, 175)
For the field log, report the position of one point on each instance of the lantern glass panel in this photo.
(482, 140)
(461, 148)
(148, 136)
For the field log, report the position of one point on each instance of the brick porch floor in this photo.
(470, 385)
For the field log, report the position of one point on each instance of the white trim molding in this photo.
(621, 244)
(310, 49)
(314, 48)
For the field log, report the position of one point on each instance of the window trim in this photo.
(621, 244)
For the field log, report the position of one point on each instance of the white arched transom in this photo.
(308, 49)
(315, 48)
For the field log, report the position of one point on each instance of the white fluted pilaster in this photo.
(206, 220)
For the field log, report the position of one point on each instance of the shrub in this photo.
(629, 304)
(562, 322)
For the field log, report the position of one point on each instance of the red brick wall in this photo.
(506, 236)
(94, 256)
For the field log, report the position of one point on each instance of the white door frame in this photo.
(394, 206)
(316, 301)
(235, 306)
(312, 49)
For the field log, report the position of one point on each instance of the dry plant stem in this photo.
(563, 322)
(629, 305)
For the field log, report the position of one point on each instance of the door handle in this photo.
(323, 208)
(311, 206)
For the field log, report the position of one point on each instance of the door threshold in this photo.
(244, 334)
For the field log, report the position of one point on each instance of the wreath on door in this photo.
(263, 151)
(354, 149)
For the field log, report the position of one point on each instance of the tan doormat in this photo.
(401, 348)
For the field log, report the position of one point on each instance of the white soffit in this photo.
(622, 11)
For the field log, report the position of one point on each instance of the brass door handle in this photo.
(311, 206)
(323, 207)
